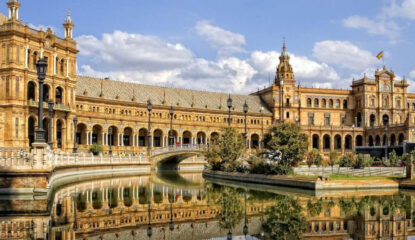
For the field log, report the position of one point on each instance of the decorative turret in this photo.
(68, 26)
(14, 7)
(284, 69)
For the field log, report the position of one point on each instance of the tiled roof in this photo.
(185, 97)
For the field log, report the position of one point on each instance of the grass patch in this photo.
(351, 177)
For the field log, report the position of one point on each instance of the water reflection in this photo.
(168, 206)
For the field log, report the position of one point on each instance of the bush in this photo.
(393, 159)
(313, 157)
(363, 161)
(96, 149)
(347, 160)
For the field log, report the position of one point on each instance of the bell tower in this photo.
(14, 7)
(285, 72)
(68, 26)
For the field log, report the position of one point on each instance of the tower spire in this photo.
(68, 26)
(284, 69)
(14, 6)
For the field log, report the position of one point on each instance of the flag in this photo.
(380, 55)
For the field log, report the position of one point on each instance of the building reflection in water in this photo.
(154, 207)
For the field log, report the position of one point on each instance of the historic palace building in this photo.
(375, 111)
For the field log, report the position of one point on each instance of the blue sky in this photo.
(233, 45)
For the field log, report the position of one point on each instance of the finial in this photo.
(68, 17)
(284, 48)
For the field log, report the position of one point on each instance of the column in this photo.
(133, 140)
(27, 56)
(343, 142)
(118, 140)
(122, 139)
(54, 63)
(87, 138)
(90, 138)
(67, 67)
(103, 139)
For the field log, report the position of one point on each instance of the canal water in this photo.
(168, 205)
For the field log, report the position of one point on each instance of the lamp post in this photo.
(110, 140)
(229, 108)
(149, 229)
(386, 142)
(75, 126)
(245, 229)
(262, 127)
(50, 108)
(171, 224)
(171, 112)
(149, 108)
(229, 236)
(282, 100)
(246, 124)
(41, 67)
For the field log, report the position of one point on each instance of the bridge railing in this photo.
(84, 159)
(12, 157)
(180, 147)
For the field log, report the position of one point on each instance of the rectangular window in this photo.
(17, 127)
(17, 87)
(311, 119)
(7, 86)
(327, 119)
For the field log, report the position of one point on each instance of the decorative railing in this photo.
(57, 106)
(12, 157)
(181, 147)
(84, 159)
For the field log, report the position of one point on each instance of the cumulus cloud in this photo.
(404, 10)
(225, 41)
(344, 54)
(412, 74)
(125, 51)
(375, 27)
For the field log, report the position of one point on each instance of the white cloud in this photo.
(125, 51)
(344, 54)
(404, 10)
(412, 74)
(225, 41)
(44, 27)
(375, 27)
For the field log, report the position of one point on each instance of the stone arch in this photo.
(31, 126)
(359, 119)
(359, 140)
(31, 90)
(187, 137)
(324, 103)
(316, 141)
(81, 130)
(308, 102)
(385, 119)
(96, 133)
(337, 142)
(173, 137)
(158, 138)
(377, 140)
(254, 140)
(59, 95)
(46, 92)
(128, 136)
(331, 103)
(60, 134)
(201, 138)
(113, 136)
(401, 138)
(348, 142)
(372, 120)
(371, 142)
(316, 102)
(384, 140)
(142, 137)
(393, 140)
(214, 137)
(326, 142)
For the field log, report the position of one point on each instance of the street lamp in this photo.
(386, 142)
(41, 67)
(246, 124)
(229, 107)
(245, 229)
(75, 126)
(282, 100)
(110, 140)
(262, 127)
(149, 108)
(229, 237)
(171, 112)
(50, 107)
(171, 224)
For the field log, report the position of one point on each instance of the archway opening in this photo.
(59, 95)
(326, 141)
(371, 141)
(112, 136)
(142, 137)
(31, 91)
(359, 140)
(372, 120)
(377, 140)
(127, 137)
(96, 134)
(348, 142)
(81, 134)
(316, 139)
(385, 120)
(254, 140)
(393, 140)
(337, 142)
(59, 132)
(31, 129)
(187, 136)
(157, 136)
(201, 138)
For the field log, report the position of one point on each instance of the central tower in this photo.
(284, 69)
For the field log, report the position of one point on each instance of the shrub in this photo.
(393, 159)
(347, 160)
(96, 149)
(363, 161)
(313, 157)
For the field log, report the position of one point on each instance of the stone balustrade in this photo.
(182, 147)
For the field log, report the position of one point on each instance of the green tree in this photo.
(347, 160)
(226, 150)
(393, 159)
(231, 208)
(363, 160)
(313, 157)
(96, 149)
(285, 220)
(333, 159)
(290, 141)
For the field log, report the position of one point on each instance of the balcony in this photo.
(56, 107)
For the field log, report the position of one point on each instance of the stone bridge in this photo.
(35, 171)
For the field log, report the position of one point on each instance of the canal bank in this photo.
(308, 183)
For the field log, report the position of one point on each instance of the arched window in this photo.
(31, 90)
(308, 102)
(385, 119)
(337, 103)
(324, 103)
(316, 102)
(345, 104)
(359, 120)
(372, 120)
(59, 95)
(331, 103)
